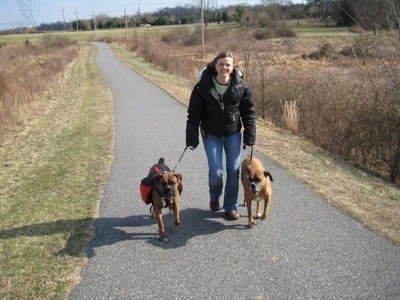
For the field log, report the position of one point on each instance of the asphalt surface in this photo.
(306, 249)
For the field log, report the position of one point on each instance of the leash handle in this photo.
(251, 152)
(179, 160)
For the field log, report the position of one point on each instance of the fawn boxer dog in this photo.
(257, 186)
(167, 188)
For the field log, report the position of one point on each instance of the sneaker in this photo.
(214, 205)
(232, 215)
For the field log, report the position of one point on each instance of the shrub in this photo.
(325, 52)
(284, 32)
(270, 33)
(263, 33)
(291, 115)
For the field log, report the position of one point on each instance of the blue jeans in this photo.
(214, 147)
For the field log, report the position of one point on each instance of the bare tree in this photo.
(102, 18)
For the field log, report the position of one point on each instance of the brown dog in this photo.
(166, 192)
(257, 186)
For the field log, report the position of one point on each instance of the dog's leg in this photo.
(250, 213)
(258, 209)
(161, 229)
(267, 202)
(175, 210)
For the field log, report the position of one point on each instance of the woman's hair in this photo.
(211, 65)
(224, 54)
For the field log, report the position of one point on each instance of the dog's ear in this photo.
(248, 169)
(268, 174)
(178, 176)
(157, 177)
(180, 184)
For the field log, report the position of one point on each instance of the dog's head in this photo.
(169, 185)
(256, 179)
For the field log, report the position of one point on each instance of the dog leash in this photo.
(251, 153)
(179, 160)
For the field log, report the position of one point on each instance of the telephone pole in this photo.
(202, 28)
(94, 24)
(76, 19)
(65, 26)
(126, 28)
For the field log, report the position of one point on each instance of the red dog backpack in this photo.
(146, 185)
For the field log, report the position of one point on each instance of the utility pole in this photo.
(94, 24)
(76, 20)
(202, 28)
(126, 28)
(65, 26)
(135, 29)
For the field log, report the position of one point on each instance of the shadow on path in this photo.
(108, 231)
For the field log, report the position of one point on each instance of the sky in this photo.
(48, 11)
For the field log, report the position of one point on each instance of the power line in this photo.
(25, 7)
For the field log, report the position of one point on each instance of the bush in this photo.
(325, 52)
(263, 33)
(270, 33)
(284, 32)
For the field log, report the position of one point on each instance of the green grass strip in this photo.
(53, 170)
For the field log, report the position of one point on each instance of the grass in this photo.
(53, 169)
(20, 88)
(306, 28)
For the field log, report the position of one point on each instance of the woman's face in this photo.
(224, 66)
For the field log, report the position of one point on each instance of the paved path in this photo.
(305, 250)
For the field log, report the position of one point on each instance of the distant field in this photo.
(304, 28)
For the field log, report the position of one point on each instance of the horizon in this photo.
(50, 11)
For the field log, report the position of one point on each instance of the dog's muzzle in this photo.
(255, 187)
(168, 197)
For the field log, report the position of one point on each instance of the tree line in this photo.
(370, 14)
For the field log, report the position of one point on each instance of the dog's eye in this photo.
(257, 180)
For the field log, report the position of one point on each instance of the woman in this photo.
(221, 104)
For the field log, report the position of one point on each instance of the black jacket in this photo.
(221, 117)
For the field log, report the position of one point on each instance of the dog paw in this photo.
(251, 225)
(163, 239)
(263, 217)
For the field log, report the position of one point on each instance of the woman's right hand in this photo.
(192, 141)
